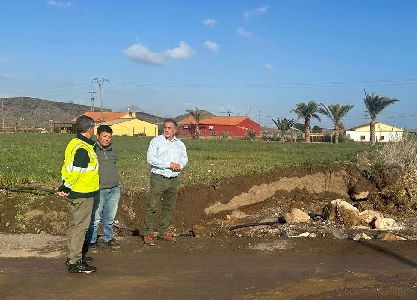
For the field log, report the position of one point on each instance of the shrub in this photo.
(225, 134)
(251, 134)
(402, 154)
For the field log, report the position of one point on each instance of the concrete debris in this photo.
(367, 216)
(307, 234)
(361, 236)
(388, 236)
(341, 211)
(296, 216)
(384, 223)
(360, 196)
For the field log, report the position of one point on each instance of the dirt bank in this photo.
(262, 196)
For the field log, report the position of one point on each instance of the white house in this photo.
(383, 133)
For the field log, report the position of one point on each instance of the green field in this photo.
(36, 159)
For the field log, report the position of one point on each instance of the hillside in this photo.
(28, 111)
(39, 112)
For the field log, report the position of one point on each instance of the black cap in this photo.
(84, 123)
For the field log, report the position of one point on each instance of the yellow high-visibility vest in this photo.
(80, 180)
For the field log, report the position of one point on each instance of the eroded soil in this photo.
(283, 189)
(260, 262)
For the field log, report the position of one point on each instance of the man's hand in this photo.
(175, 166)
(62, 194)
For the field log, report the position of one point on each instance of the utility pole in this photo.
(92, 100)
(100, 81)
(2, 112)
(259, 117)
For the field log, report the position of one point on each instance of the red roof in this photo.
(216, 120)
(104, 116)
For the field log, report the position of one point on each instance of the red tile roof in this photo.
(104, 116)
(216, 120)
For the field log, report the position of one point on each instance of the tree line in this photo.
(374, 104)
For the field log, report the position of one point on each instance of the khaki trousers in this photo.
(79, 218)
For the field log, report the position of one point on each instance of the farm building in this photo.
(219, 126)
(123, 123)
(383, 133)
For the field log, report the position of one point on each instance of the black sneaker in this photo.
(113, 243)
(85, 259)
(81, 267)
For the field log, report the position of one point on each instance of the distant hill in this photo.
(38, 111)
(143, 116)
(207, 114)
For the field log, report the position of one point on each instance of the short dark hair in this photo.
(104, 128)
(83, 123)
(171, 121)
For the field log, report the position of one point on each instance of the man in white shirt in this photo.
(167, 156)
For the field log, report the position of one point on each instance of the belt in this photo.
(164, 176)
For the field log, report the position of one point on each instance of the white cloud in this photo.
(268, 66)
(142, 54)
(209, 22)
(211, 46)
(243, 33)
(183, 51)
(58, 3)
(248, 14)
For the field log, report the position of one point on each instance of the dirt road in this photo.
(194, 268)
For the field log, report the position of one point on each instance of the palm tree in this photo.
(335, 112)
(283, 125)
(198, 115)
(307, 112)
(374, 105)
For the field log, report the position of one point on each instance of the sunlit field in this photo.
(36, 159)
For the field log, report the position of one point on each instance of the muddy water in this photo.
(224, 269)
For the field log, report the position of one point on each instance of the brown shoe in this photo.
(149, 240)
(167, 236)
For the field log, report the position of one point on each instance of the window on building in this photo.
(211, 127)
(381, 138)
(362, 137)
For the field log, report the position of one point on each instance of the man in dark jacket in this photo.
(107, 200)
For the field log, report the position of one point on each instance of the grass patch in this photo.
(27, 158)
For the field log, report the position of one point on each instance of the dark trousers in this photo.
(162, 194)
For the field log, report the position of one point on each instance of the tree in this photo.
(307, 112)
(283, 125)
(374, 105)
(198, 115)
(335, 112)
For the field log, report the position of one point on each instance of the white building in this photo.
(383, 133)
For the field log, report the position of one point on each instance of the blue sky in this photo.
(248, 57)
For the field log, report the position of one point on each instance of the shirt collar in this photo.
(173, 139)
(84, 139)
(109, 148)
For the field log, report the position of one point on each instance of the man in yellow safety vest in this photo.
(80, 183)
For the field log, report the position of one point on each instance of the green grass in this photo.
(27, 158)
